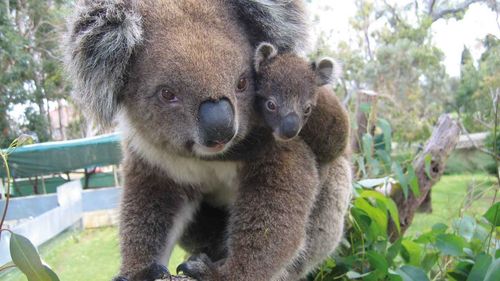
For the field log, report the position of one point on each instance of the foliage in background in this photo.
(30, 64)
(393, 54)
(467, 249)
(23, 253)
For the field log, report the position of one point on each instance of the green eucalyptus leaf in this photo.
(371, 183)
(458, 275)
(450, 244)
(393, 250)
(400, 176)
(385, 158)
(493, 271)
(362, 165)
(395, 277)
(480, 267)
(387, 202)
(411, 273)
(26, 258)
(411, 252)
(53, 276)
(493, 214)
(355, 275)
(413, 181)
(367, 147)
(439, 228)
(377, 261)
(361, 220)
(365, 107)
(427, 163)
(429, 261)
(465, 227)
(387, 131)
(379, 217)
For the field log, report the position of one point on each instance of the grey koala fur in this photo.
(286, 88)
(295, 88)
(282, 22)
(98, 55)
(155, 64)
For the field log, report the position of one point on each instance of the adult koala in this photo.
(198, 167)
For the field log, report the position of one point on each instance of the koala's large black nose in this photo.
(216, 120)
(290, 126)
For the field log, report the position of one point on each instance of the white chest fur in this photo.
(217, 179)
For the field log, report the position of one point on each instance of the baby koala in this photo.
(287, 88)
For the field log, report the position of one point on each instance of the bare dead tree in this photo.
(443, 140)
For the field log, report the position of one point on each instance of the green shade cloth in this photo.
(64, 156)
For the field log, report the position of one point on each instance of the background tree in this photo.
(394, 55)
(30, 70)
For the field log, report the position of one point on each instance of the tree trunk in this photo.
(443, 140)
(62, 128)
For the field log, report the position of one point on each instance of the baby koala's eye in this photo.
(271, 105)
(168, 96)
(308, 110)
(242, 84)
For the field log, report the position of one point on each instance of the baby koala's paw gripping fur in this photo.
(201, 268)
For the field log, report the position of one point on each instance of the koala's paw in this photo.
(150, 273)
(201, 268)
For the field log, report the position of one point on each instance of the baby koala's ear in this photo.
(326, 70)
(265, 51)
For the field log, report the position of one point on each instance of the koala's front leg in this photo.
(268, 220)
(153, 212)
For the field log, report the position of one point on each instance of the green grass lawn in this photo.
(455, 195)
(93, 254)
(83, 256)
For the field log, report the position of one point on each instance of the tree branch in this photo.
(430, 10)
(460, 7)
(443, 140)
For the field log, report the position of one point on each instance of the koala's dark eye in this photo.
(308, 110)
(271, 105)
(242, 84)
(168, 96)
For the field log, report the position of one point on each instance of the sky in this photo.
(448, 35)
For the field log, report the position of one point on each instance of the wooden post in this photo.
(44, 188)
(443, 140)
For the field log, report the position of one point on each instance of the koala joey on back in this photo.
(287, 90)
(198, 168)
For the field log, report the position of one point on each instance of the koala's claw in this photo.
(150, 273)
(199, 267)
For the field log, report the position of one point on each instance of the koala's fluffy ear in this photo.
(264, 52)
(281, 22)
(101, 38)
(326, 70)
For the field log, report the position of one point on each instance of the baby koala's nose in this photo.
(290, 126)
